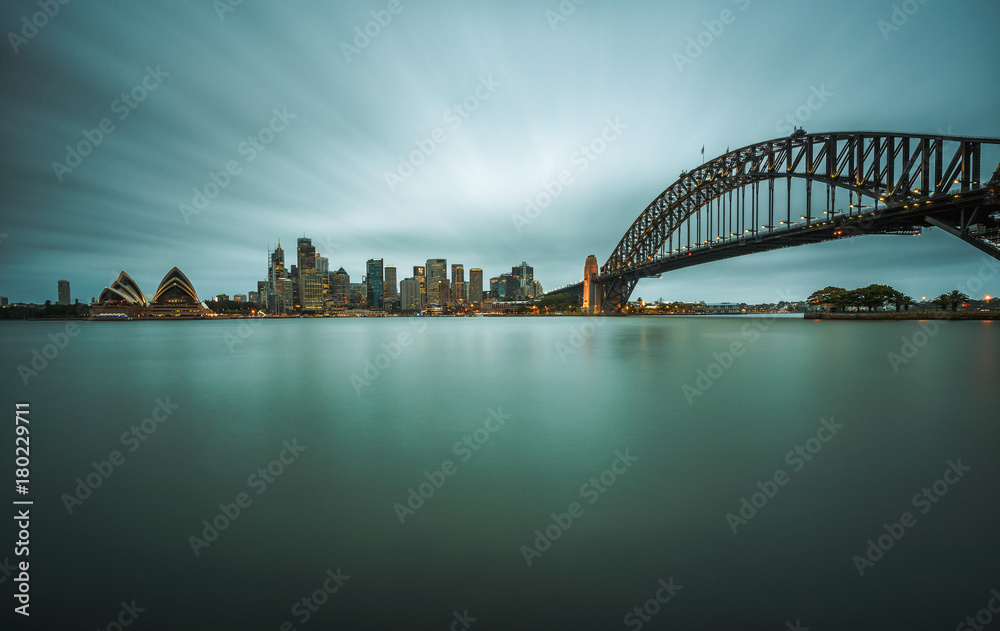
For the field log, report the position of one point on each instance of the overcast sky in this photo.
(495, 97)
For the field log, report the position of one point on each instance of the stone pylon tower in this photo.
(592, 294)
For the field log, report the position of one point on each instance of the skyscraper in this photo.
(410, 294)
(457, 282)
(512, 286)
(340, 282)
(64, 292)
(277, 269)
(437, 270)
(475, 285)
(524, 272)
(390, 283)
(375, 282)
(323, 271)
(444, 292)
(310, 285)
(421, 277)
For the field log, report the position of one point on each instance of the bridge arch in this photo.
(894, 183)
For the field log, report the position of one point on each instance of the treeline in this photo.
(25, 312)
(232, 306)
(874, 296)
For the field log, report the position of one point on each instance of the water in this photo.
(574, 396)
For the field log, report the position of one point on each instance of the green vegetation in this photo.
(558, 302)
(953, 298)
(49, 311)
(875, 297)
(233, 307)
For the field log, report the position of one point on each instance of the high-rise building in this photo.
(276, 292)
(310, 285)
(64, 298)
(524, 272)
(375, 280)
(277, 269)
(457, 282)
(511, 285)
(409, 290)
(437, 270)
(420, 275)
(475, 285)
(390, 292)
(340, 282)
(592, 297)
(323, 270)
(444, 292)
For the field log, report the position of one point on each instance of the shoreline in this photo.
(907, 315)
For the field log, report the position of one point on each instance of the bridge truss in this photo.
(784, 192)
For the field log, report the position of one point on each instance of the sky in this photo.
(410, 130)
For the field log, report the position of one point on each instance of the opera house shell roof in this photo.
(175, 297)
(123, 291)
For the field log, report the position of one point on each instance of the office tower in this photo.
(323, 270)
(421, 277)
(273, 296)
(409, 290)
(457, 282)
(277, 268)
(511, 285)
(340, 282)
(390, 292)
(444, 292)
(375, 283)
(356, 293)
(239, 298)
(437, 270)
(536, 290)
(64, 292)
(475, 285)
(254, 297)
(524, 272)
(285, 295)
(308, 281)
(4, 303)
(591, 288)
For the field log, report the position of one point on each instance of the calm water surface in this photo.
(576, 399)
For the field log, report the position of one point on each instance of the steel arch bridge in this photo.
(784, 192)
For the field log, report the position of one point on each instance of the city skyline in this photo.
(402, 147)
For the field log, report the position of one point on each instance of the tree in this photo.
(558, 302)
(829, 295)
(941, 301)
(874, 296)
(956, 297)
(901, 300)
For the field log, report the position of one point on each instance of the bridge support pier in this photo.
(616, 294)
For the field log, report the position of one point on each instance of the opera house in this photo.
(174, 298)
